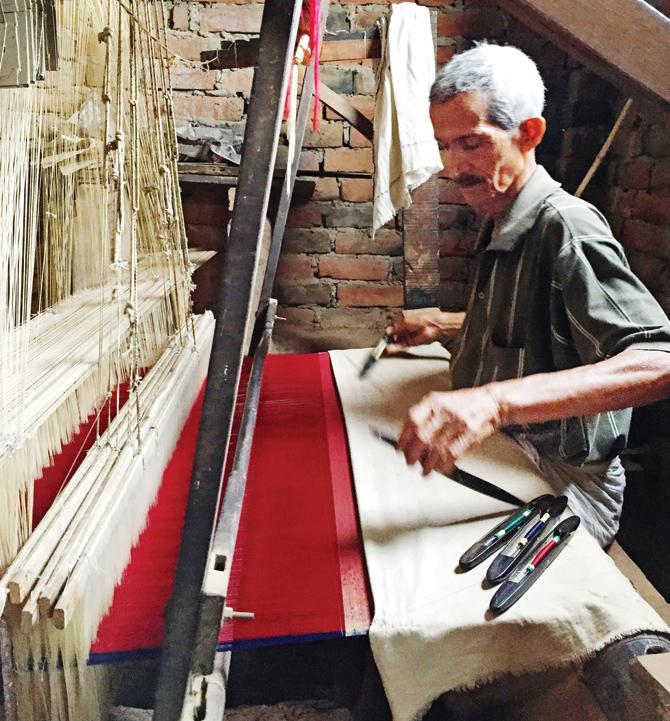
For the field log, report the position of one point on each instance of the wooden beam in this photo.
(625, 41)
(343, 107)
(286, 198)
(182, 643)
(354, 49)
(244, 53)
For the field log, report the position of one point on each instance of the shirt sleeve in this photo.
(607, 307)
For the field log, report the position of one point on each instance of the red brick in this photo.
(646, 238)
(657, 141)
(660, 174)
(445, 53)
(635, 173)
(205, 213)
(353, 318)
(300, 240)
(205, 236)
(627, 144)
(349, 215)
(297, 293)
(243, 19)
(385, 242)
(236, 81)
(184, 78)
(297, 316)
(304, 216)
(651, 208)
(358, 140)
(357, 189)
(471, 23)
(180, 17)
(370, 295)
(349, 160)
(329, 135)
(352, 267)
(366, 18)
(295, 267)
(198, 107)
(190, 46)
(326, 189)
(309, 159)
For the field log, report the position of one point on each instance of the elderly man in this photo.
(559, 339)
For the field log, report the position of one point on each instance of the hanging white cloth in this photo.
(431, 631)
(405, 150)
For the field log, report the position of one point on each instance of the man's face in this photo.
(483, 158)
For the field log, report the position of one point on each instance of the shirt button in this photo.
(481, 295)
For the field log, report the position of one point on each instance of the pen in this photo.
(487, 544)
(512, 590)
(520, 546)
(375, 354)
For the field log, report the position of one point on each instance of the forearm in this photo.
(631, 378)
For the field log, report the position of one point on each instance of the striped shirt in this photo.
(553, 290)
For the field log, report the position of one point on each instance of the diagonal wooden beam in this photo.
(279, 225)
(624, 41)
(343, 107)
(278, 35)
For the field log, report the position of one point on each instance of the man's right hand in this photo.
(425, 325)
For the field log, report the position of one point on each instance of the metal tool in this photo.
(464, 478)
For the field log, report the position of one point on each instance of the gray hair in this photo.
(508, 77)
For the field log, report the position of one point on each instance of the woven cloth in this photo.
(431, 631)
(405, 150)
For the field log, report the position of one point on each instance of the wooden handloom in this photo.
(319, 575)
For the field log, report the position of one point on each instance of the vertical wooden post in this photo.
(421, 238)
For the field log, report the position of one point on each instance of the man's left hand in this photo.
(444, 425)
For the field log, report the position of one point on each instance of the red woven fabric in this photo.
(298, 562)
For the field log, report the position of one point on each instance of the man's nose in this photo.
(452, 163)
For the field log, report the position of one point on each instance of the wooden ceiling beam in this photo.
(624, 41)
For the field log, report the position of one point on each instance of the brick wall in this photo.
(336, 286)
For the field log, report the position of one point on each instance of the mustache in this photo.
(465, 180)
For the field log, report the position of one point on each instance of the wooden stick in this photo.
(603, 150)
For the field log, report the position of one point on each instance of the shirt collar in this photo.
(522, 214)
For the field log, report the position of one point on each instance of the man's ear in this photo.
(530, 133)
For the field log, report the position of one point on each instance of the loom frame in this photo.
(190, 624)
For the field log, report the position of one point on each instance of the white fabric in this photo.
(432, 631)
(405, 150)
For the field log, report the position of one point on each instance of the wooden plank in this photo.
(625, 41)
(343, 107)
(279, 224)
(354, 49)
(421, 237)
(278, 35)
(244, 53)
(215, 586)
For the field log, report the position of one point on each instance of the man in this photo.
(559, 335)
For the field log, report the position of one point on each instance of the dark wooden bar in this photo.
(278, 35)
